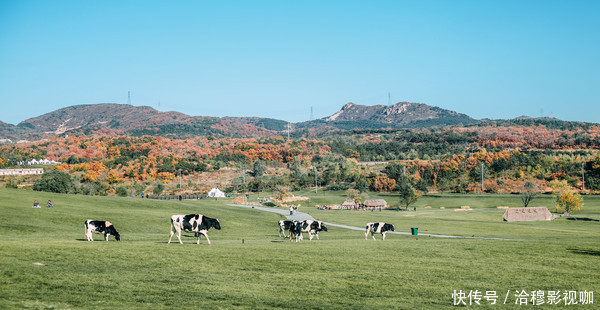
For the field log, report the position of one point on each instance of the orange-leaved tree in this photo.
(382, 183)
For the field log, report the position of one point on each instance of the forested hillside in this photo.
(550, 155)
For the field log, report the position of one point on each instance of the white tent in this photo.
(215, 192)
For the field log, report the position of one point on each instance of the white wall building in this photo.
(34, 161)
(21, 171)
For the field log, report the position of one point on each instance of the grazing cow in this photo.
(379, 228)
(312, 228)
(196, 223)
(100, 227)
(283, 226)
(295, 230)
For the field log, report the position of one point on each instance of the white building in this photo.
(21, 171)
(38, 162)
(215, 192)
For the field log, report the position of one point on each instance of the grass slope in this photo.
(46, 262)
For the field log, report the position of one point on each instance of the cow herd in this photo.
(196, 223)
(200, 224)
(296, 228)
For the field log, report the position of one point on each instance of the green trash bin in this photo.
(414, 231)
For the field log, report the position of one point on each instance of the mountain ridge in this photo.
(113, 118)
(124, 119)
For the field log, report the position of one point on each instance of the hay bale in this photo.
(501, 207)
(428, 207)
(442, 208)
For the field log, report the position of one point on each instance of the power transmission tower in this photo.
(129, 97)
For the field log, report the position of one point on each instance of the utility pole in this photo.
(482, 177)
(582, 177)
(243, 175)
(316, 186)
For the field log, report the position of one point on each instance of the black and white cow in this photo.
(295, 230)
(196, 223)
(100, 227)
(283, 226)
(378, 228)
(312, 228)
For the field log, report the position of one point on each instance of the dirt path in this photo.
(301, 216)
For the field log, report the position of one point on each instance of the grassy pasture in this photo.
(46, 263)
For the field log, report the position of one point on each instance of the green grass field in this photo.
(47, 264)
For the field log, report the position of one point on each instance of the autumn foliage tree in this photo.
(382, 183)
(355, 195)
(568, 201)
(282, 192)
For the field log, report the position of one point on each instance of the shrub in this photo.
(269, 204)
(54, 181)
(11, 184)
(121, 191)
(158, 189)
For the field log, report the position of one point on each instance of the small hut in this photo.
(215, 192)
(374, 204)
(349, 204)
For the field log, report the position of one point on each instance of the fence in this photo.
(177, 197)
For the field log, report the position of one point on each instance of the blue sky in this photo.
(277, 59)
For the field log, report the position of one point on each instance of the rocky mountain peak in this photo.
(398, 114)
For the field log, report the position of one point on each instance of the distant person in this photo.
(50, 205)
(36, 204)
(142, 194)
